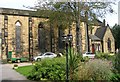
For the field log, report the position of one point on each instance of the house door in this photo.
(93, 48)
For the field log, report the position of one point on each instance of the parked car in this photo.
(59, 55)
(45, 55)
(89, 55)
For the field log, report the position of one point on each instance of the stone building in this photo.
(24, 33)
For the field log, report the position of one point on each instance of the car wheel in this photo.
(39, 59)
(18, 61)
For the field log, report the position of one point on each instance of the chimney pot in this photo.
(103, 22)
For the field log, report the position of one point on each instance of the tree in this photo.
(64, 13)
(94, 10)
(116, 33)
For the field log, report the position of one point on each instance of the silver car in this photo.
(45, 55)
(89, 55)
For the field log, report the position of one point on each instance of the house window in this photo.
(98, 47)
(109, 44)
(18, 36)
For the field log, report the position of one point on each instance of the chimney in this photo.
(103, 22)
(107, 25)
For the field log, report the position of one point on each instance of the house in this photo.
(102, 40)
(24, 34)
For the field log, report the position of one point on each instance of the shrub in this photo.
(95, 70)
(50, 69)
(107, 56)
(117, 63)
(74, 59)
(115, 77)
(15, 65)
(116, 69)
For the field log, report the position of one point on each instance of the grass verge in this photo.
(24, 70)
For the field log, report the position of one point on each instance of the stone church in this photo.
(24, 34)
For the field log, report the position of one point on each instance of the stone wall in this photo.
(108, 34)
(12, 19)
(23, 17)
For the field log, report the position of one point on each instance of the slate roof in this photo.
(100, 32)
(95, 38)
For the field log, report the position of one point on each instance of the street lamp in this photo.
(67, 39)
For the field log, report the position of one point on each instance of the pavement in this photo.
(8, 73)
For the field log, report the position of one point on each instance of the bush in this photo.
(95, 70)
(116, 69)
(107, 56)
(74, 61)
(117, 63)
(115, 77)
(50, 69)
(15, 65)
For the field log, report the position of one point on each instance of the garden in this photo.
(103, 67)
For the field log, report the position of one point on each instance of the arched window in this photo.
(109, 44)
(41, 37)
(18, 36)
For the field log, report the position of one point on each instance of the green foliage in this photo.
(15, 65)
(116, 34)
(50, 69)
(74, 60)
(107, 56)
(95, 70)
(115, 77)
(117, 62)
(116, 69)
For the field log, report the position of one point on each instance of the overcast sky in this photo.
(111, 19)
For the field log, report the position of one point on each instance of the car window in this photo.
(48, 54)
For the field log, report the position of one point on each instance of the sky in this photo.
(111, 19)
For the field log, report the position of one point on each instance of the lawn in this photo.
(24, 70)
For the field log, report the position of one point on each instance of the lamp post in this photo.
(67, 39)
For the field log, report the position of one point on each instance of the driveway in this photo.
(7, 73)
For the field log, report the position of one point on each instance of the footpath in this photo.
(7, 74)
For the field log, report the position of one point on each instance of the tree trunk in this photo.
(78, 37)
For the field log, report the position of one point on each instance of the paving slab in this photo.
(8, 74)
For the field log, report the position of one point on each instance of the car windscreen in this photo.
(48, 54)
